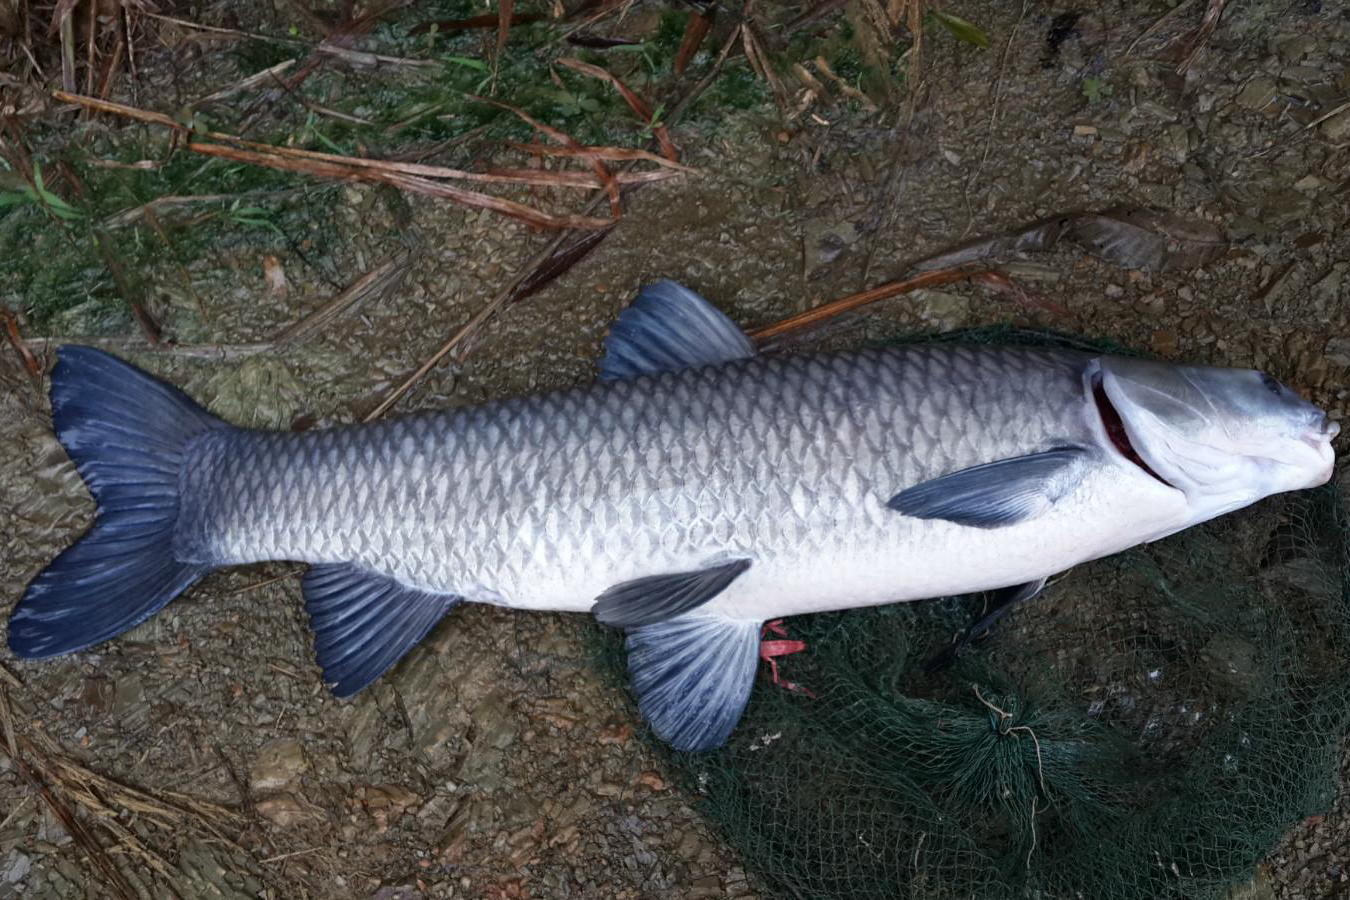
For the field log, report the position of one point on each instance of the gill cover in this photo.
(1225, 437)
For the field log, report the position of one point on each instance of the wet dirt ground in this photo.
(496, 761)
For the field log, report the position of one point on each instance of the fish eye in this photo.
(1272, 385)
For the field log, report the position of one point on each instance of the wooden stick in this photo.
(853, 301)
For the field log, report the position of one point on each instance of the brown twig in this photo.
(255, 585)
(412, 183)
(505, 9)
(835, 308)
(993, 117)
(266, 76)
(132, 295)
(385, 277)
(16, 747)
(1213, 13)
(759, 61)
(159, 205)
(413, 177)
(30, 362)
(611, 154)
(1156, 25)
(544, 267)
(601, 170)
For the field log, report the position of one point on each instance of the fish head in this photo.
(1224, 437)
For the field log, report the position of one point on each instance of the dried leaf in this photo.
(963, 30)
(1131, 237)
(635, 103)
(275, 277)
(1149, 239)
(1041, 235)
(562, 259)
(599, 42)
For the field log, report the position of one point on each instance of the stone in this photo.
(278, 763)
(1232, 660)
(129, 704)
(651, 780)
(1176, 141)
(943, 310)
(1338, 351)
(386, 802)
(16, 867)
(1328, 287)
(1337, 128)
(707, 886)
(1258, 94)
(619, 733)
(1294, 48)
(285, 811)
(826, 241)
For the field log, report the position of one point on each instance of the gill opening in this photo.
(1115, 428)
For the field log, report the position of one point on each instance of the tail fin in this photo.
(127, 433)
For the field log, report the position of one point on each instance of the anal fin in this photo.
(693, 675)
(364, 622)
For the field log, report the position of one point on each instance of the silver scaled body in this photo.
(543, 502)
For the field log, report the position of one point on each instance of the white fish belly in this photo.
(881, 556)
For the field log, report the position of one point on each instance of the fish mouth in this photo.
(1116, 431)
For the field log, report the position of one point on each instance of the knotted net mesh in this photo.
(1147, 728)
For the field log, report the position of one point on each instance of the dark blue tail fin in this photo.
(127, 434)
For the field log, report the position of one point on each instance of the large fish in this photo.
(695, 491)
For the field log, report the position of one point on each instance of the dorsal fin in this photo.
(669, 328)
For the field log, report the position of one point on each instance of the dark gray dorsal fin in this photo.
(364, 622)
(645, 601)
(998, 493)
(692, 676)
(669, 328)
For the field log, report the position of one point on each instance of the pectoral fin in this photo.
(692, 676)
(998, 493)
(646, 601)
(1001, 603)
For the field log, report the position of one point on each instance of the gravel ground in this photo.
(496, 761)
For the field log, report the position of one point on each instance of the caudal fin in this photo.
(127, 433)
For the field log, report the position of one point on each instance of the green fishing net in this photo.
(1148, 728)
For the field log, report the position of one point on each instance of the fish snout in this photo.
(1322, 430)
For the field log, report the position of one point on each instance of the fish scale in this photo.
(537, 501)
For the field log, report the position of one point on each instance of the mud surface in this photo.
(495, 761)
